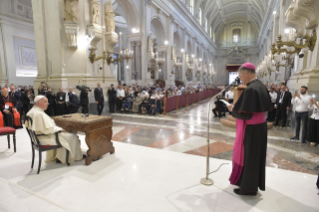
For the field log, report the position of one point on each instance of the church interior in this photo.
(180, 54)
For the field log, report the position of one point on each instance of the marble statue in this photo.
(95, 12)
(109, 16)
(173, 53)
(71, 11)
(150, 48)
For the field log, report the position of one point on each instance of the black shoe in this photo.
(303, 142)
(294, 138)
(84, 156)
(236, 191)
(57, 161)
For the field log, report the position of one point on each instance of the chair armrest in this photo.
(57, 138)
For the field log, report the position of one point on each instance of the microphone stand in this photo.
(207, 181)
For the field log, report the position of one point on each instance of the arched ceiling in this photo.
(222, 12)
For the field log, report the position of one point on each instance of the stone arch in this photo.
(129, 12)
(158, 31)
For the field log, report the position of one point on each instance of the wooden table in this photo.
(98, 131)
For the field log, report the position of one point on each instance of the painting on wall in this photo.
(28, 57)
(25, 57)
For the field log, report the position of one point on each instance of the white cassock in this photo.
(43, 124)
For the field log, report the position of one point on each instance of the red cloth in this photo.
(16, 116)
(6, 130)
(238, 152)
(1, 120)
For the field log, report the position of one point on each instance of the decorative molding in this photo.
(72, 31)
(95, 33)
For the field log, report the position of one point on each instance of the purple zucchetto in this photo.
(249, 66)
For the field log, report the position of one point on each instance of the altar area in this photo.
(143, 179)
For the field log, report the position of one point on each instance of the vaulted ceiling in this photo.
(221, 12)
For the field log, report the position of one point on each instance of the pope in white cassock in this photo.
(43, 124)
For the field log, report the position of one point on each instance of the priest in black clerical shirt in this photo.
(249, 155)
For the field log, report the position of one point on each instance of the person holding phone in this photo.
(301, 101)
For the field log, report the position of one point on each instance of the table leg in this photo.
(99, 143)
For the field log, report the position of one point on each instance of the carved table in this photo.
(98, 131)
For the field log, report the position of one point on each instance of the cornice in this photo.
(15, 22)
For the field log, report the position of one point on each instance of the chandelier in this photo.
(126, 55)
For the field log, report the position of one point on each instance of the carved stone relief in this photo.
(295, 21)
(109, 17)
(308, 9)
(95, 11)
(71, 11)
(22, 8)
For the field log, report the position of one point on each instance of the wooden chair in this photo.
(35, 144)
(9, 131)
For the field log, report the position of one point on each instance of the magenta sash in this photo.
(238, 153)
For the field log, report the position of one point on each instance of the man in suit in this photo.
(111, 93)
(99, 98)
(282, 105)
(17, 95)
(74, 102)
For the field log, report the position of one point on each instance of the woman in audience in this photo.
(313, 132)
(136, 103)
(145, 106)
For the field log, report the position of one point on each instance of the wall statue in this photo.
(150, 48)
(109, 16)
(95, 12)
(173, 53)
(71, 11)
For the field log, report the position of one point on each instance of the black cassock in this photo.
(9, 118)
(255, 100)
(60, 103)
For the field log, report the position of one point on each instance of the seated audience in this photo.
(136, 103)
(155, 106)
(145, 104)
(127, 103)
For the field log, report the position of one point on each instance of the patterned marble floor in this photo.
(185, 130)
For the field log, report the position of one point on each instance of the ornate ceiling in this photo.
(221, 12)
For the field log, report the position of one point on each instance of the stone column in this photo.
(138, 60)
(3, 60)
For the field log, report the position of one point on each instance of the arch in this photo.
(129, 12)
(158, 31)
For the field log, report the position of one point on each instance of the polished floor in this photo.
(157, 166)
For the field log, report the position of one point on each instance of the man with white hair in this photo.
(43, 124)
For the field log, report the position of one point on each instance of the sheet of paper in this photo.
(225, 102)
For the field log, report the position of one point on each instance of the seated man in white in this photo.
(43, 124)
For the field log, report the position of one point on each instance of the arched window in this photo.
(236, 35)
(191, 6)
(200, 16)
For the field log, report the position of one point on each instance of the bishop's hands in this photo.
(230, 107)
